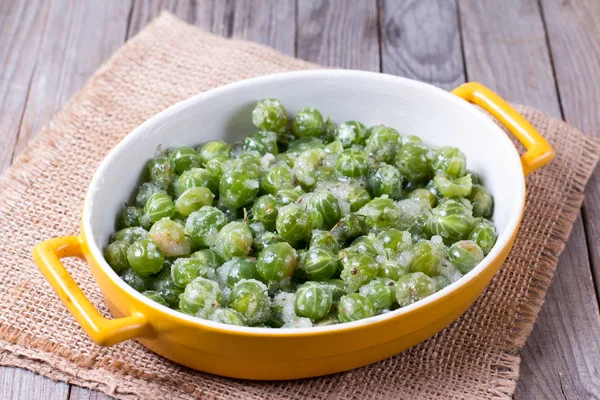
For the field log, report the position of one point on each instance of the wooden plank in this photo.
(574, 36)
(18, 384)
(78, 393)
(420, 39)
(338, 33)
(270, 22)
(565, 334)
(21, 30)
(195, 12)
(66, 59)
(505, 48)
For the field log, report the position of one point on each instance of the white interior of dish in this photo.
(411, 107)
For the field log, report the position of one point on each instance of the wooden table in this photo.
(542, 53)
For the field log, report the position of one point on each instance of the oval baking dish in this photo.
(438, 117)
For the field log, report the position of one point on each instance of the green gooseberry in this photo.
(351, 133)
(451, 220)
(329, 130)
(170, 238)
(335, 147)
(380, 292)
(184, 158)
(484, 234)
(251, 299)
(138, 282)
(357, 197)
(413, 287)
(449, 161)
(441, 281)
(215, 149)
(315, 219)
(350, 226)
(427, 258)
(185, 270)
(313, 301)
(305, 166)
(288, 196)
(236, 269)
(308, 122)
(293, 223)
(200, 298)
(383, 143)
(208, 257)
(394, 240)
(278, 177)
(299, 146)
(355, 306)
(413, 162)
(328, 320)
(198, 177)
(263, 240)
(435, 192)
(327, 205)
(386, 180)
(358, 269)
(161, 171)
(130, 235)
(234, 240)
(270, 115)
(324, 240)
(227, 316)
(130, 217)
(192, 200)
(215, 166)
(145, 257)
(265, 210)
(156, 297)
(324, 173)
(482, 201)
(116, 256)
(459, 187)
(319, 264)
(238, 185)
(366, 245)
(380, 213)
(145, 191)
(423, 195)
(261, 142)
(276, 262)
(393, 269)
(352, 163)
(465, 255)
(158, 206)
(164, 285)
(475, 178)
(203, 226)
(285, 160)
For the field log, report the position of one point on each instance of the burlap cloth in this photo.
(41, 197)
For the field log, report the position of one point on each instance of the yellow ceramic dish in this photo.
(439, 117)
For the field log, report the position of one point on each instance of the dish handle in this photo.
(103, 331)
(539, 152)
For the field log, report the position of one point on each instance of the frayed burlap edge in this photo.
(557, 240)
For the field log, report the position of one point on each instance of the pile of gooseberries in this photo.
(304, 223)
